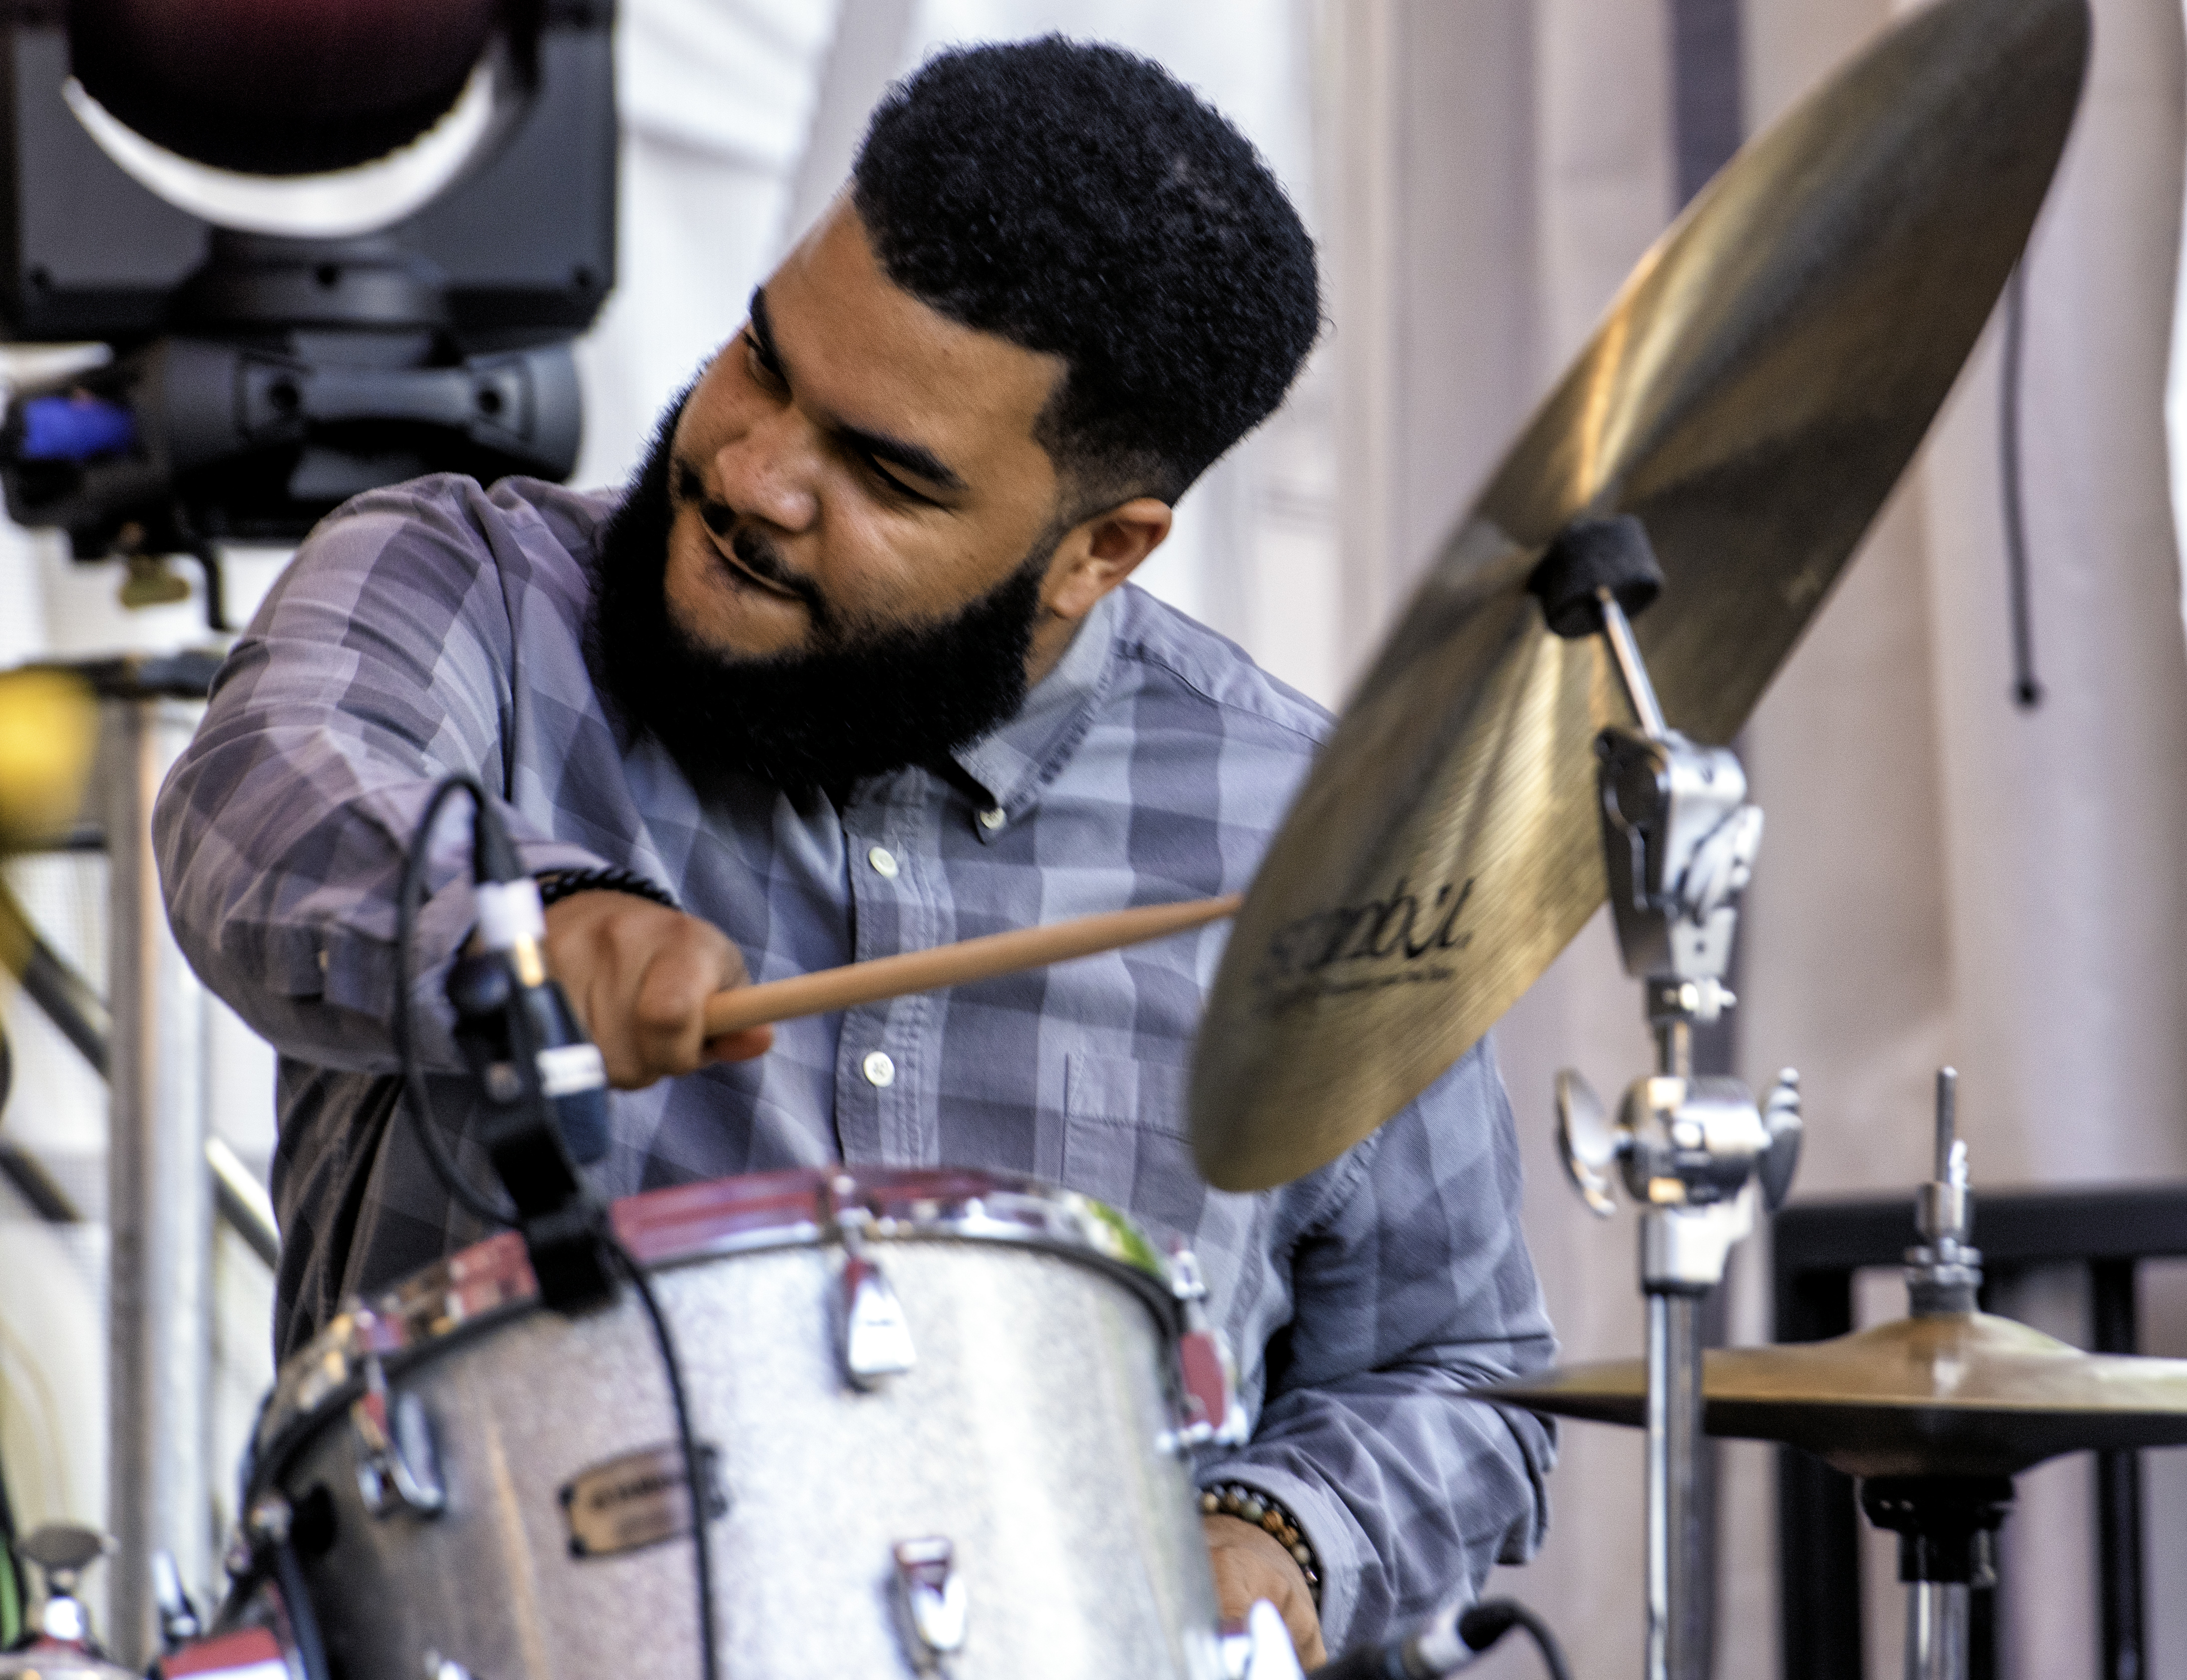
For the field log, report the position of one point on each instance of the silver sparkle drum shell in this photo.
(1036, 1433)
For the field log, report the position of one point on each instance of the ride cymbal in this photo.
(1754, 391)
(1962, 1394)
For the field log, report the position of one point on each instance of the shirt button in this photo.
(991, 820)
(884, 863)
(879, 1069)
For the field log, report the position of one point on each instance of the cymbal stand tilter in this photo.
(1695, 1151)
(1944, 1523)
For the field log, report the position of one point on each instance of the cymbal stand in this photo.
(1944, 1523)
(1696, 1152)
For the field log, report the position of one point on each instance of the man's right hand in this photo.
(638, 974)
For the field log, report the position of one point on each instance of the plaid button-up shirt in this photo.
(438, 627)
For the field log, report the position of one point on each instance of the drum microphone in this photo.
(545, 1084)
(1451, 1638)
(507, 976)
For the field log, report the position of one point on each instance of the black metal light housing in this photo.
(259, 378)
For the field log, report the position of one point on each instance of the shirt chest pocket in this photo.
(1124, 1139)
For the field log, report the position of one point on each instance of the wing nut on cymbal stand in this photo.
(1696, 1152)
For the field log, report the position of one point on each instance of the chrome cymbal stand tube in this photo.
(1936, 1630)
(1696, 1152)
(1946, 1526)
(1944, 1523)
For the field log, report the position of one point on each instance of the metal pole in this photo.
(1936, 1630)
(2112, 1285)
(1631, 669)
(160, 1202)
(1673, 1447)
(1659, 1487)
(68, 1001)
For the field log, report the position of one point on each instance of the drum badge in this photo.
(639, 1499)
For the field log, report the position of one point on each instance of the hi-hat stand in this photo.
(1946, 1525)
(1696, 1152)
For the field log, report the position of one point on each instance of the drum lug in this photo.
(930, 1600)
(1213, 1416)
(1207, 1393)
(397, 1465)
(876, 1339)
(873, 1336)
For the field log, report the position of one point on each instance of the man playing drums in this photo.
(852, 668)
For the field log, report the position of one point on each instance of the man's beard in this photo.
(864, 699)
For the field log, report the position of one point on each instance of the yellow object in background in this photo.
(48, 732)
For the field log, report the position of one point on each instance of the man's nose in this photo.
(770, 471)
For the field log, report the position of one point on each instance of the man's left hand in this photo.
(1250, 1564)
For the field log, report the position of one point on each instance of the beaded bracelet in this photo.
(1249, 1504)
(557, 885)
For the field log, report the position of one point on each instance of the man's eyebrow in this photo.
(913, 458)
(763, 334)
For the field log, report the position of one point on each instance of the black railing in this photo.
(1816, 1248)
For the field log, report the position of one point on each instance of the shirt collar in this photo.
(1015, 759)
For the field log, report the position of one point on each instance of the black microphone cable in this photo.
(409, 899)
(1485, 1623)
(687, 1440)
(490, 839)
(1451, 1640)
(2027, 689)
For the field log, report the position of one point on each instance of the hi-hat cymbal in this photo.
(1958, 1395)
(1752, 395)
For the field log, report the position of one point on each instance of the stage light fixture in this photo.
(279, 87)
(333, 244)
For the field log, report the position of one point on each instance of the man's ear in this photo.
(1095, 556)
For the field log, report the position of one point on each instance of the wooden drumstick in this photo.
(946, 965)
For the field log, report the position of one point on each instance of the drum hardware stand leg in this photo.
(1696, 1153)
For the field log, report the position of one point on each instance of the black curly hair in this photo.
(1079, 201)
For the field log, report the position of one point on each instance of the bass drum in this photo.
(944, 1417)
